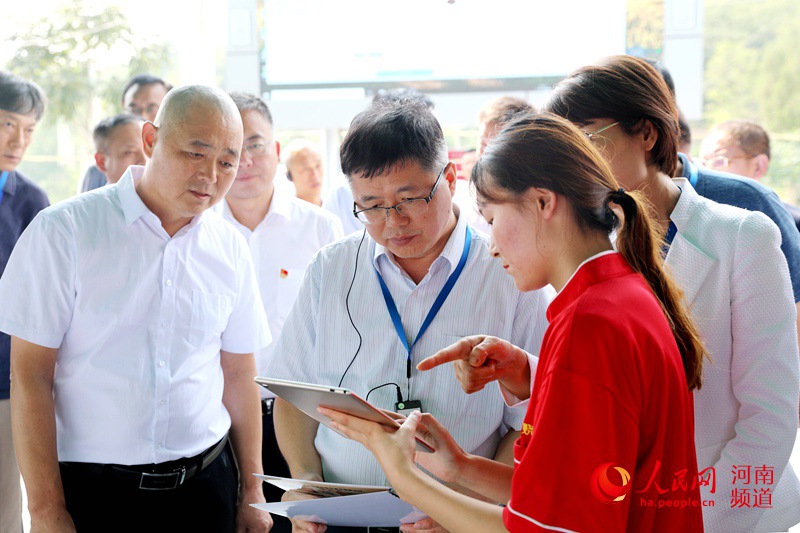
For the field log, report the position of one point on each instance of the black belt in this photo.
(266, 406)
(161, 476)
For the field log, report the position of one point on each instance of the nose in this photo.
(245, 161)
(208, 170)
(18, 138)
(395, 219)
(493, 249)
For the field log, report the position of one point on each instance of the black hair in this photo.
(547, 152)
(402, 94)
(104, 128)
(142, 80)
(21, 96)
(626, 89)
(391, 133)
(251, 102)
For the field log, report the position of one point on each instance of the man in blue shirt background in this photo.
(21, 106)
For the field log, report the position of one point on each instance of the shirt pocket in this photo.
(210, 313)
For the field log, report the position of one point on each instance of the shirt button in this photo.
(168, 283)
(165, 323)
(162, 363)
(162, 402)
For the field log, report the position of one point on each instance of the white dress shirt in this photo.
(282, 246)
(318, 341)
(139, 319)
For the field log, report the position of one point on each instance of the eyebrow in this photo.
(202, 144)
(407, 188)
(254, 137)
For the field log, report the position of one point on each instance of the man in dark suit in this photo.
(21, 106)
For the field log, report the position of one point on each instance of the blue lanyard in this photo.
(3, 179)
(448, 286)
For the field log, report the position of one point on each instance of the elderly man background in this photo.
(304, 168)
(21, 106)
(741, 147)
(130, 389)
(142, 96)
(118, 145)
(283, 233)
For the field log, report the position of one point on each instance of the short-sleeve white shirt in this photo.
(139, 319)
(283, 245)
(318, 341)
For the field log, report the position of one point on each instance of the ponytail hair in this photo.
(548, 152)
(638, 241)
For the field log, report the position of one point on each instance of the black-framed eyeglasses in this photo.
(591, 134)
(408, 208)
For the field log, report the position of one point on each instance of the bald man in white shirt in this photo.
(134, 316)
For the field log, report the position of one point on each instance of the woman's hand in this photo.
(448, 458)
(394, 449)
(481, 359)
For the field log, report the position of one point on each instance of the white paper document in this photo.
(379, 509)
(319, 489)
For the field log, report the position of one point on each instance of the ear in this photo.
(648, 134)
(761, 162)
(278, 150)
(149, 137)
(451, 175)
(545, 202)
(100, 159)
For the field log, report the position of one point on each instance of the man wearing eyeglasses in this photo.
(374, 304)
(141, 97)
(740, 147)
(283, 233)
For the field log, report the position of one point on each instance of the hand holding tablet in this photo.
(308, 397)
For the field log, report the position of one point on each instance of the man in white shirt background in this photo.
(304, 169)
(283, 232)
(141, 97)
(126, 387)
(118, 145)
(359, 319)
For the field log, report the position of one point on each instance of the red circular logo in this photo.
(610, 483)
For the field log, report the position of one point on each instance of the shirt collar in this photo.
(451, 252)
(132, 205)
(280, 205)
(595, 269)
(685, 207)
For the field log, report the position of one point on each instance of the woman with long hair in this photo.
(730, 266)
(608, 443)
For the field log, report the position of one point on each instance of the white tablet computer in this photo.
(308, 396)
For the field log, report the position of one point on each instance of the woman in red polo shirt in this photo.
(608, 442)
